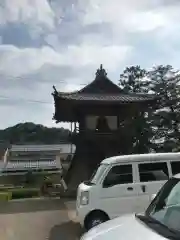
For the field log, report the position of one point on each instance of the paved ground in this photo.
(39, 220)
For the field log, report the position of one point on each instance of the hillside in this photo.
(27, 133)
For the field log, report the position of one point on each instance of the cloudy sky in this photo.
(63, 42)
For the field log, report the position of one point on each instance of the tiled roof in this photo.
(102, 89)
(63, 148)
(123, 98)
(30, 165)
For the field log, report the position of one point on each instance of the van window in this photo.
(121, 174)
(150, 172)
(97, 174)
(175, 166)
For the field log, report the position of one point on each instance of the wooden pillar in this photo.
(71, 133)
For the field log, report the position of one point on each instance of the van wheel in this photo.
(94, 219)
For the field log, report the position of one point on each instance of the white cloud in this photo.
(27, 11)
(121, 14)
(94, 55)
(23, 61)
(106, 11)
(92, 32)
(130, 16)
(17, 61)
(146, 21)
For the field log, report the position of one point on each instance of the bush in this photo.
(29, 179)
(5, 196)
(9, 196)
(24, 193)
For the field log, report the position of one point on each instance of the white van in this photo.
(123, 184)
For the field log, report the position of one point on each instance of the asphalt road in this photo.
(39, 220)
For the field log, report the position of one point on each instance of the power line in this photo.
(11, 78)
(23, 99)
(32, 100)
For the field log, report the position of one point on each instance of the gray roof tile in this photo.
(107, 97)
(62, 148)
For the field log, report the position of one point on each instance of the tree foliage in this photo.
(156, 128)
(165, 120)
(134, 80)
(28, 133)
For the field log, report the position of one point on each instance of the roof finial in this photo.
(101, 72)
(55, 91)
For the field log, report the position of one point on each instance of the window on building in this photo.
(175, 166)
(150, 172)
(121, 174)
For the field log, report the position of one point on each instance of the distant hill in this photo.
(30, 133)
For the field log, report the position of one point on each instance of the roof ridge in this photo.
(102, 93)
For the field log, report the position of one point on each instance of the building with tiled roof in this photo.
(98, 112)
(22, 158)
(100, 92)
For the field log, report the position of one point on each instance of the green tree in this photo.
(165, 120)
(134, 80)
(29, 133)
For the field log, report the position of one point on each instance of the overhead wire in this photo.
(23, 99)
(5, 97)
(39, 101)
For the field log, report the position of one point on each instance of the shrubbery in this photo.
(24, 193)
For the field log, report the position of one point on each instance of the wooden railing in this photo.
(95, 132)
(76, 129)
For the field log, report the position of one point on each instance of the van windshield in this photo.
(163, 214)
(97, 174)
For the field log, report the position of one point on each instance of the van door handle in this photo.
(129, 188)
(143, 187)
